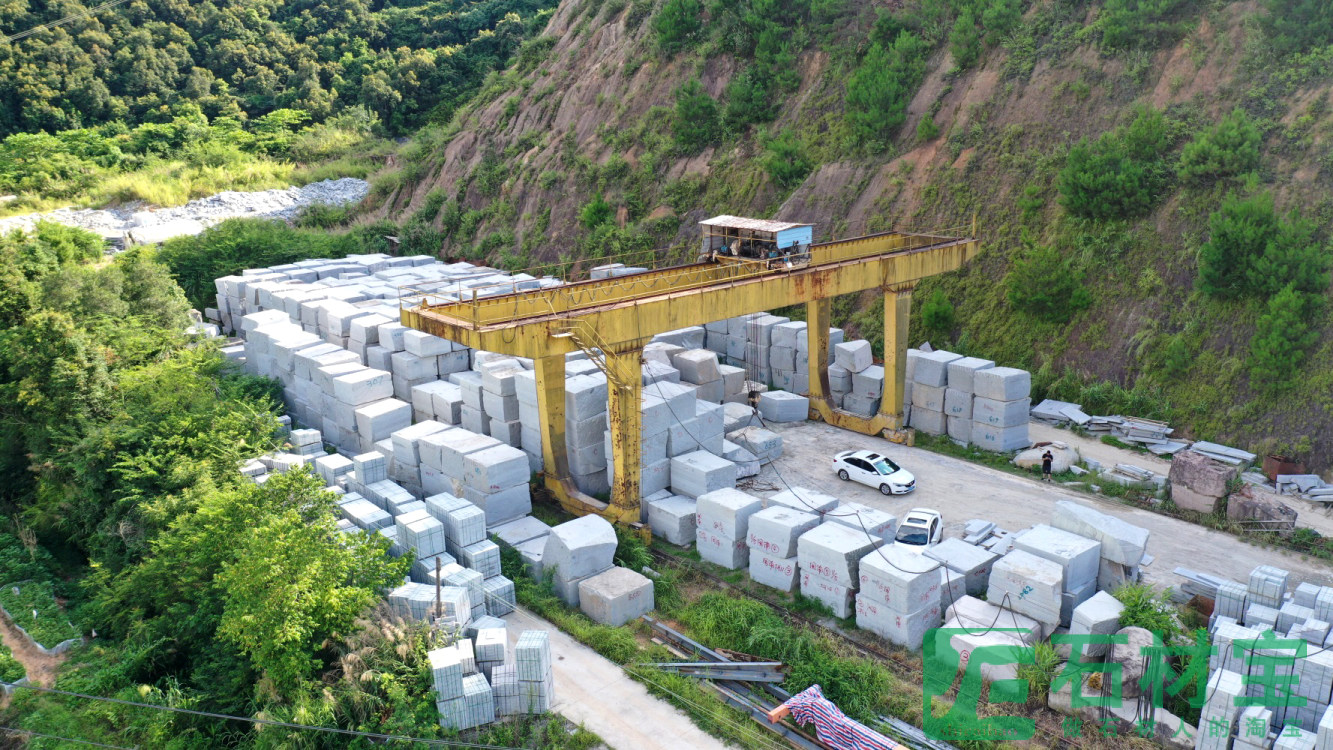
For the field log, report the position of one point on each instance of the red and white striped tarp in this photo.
(832, 726)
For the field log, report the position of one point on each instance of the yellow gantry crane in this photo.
(611, 320)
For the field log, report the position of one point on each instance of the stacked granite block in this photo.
(899, 597)
(829, 556)
(578, 550)
(722, 522)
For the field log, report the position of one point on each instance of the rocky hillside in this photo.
(926, 115)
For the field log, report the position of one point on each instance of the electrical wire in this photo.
(30, 733)
(62, 22)
(257, 720)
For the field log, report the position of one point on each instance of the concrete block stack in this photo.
(532, 662)
(1078, 557)
(616, 596)
(1123, 544)
(930, 378)
(899, 597)
(787, 359)
(722, 526)
(578, 550)
(829, 557)
(1268, 586)
(585, 432)
(1000, 408)
(849, 359)
(772, 537)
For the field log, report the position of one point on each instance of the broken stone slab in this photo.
(1122, 542)
(1254, 503)
(1051, 410)
(1133, 661)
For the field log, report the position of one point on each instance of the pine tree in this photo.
(1239, 233)
(696, 123)
(1282, 339)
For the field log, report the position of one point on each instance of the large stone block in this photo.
(580, 548)
(673, 518)
(616, 596)
(932, 368)
(905, 629)
(378, 420)
(1201, 474)
(998, 439)
(971, 562)
(1077, 555)
(699, 473)
(853, 356)
(722, 550)
(834, 552)
(775, 530)
(780, 406)
(1002, 383)
(963, 371)
(803, 499)
(781, 573)
(1001, 413)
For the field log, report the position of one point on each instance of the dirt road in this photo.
(963, 491)
(592, 691)
(40, 667)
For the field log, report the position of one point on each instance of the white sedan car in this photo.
(921, 528)
(874, 470)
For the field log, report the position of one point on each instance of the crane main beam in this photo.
(622, 314)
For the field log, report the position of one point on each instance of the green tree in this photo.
(294, 583)
(937, 314)
(1299, 25)
(750, 99)
(1292, 257)
(696, 123)
(881, 87)
(1046, 285)
(965, 40)
(1139, 23)
(1239, 232)
(1121, 174)
(1283, 338)
(677, 24)
(595, 213)
(785, 160)
(1228, 149)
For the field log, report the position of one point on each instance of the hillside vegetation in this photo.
(1149, 179)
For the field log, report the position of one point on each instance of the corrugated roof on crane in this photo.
(757, 225)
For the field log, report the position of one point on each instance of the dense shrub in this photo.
(965, 40)
(1227, 149)
(1139, 23)
(1299, 25)
(1122, 173)
(1292, 257)
(677, 24)
(881, 87)
(1283, 338)
(785, 160)
(1238, 233)
(1046, 285)
(595, 212)
(750, 99)
(937, 314)
(695, 124)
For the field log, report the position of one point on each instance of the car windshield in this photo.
(911, 535)
(884, 465)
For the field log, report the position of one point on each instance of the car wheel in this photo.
(884, 489)
(842, 474)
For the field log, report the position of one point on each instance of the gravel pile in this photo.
(133, 224)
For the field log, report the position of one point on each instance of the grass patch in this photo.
(51, 625)
(173, 183)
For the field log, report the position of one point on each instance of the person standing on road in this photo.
(1046, 459)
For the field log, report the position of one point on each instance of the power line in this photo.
(90, 11)
(265, 722)
(31, 733)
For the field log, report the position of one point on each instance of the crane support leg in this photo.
(817, 315)
(550, 374)
(624, 414)
(897, 312)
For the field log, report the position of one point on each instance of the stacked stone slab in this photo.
(496, 480)
(1123, 544)
(1000, 408)
(1224, 687)
(616, 596)
(829, 557)
(852, 358)
(700, 368)
(959, 394)
(701, 472)
(864, 519)
(499, 396)
(722, 526)
(787, 358)
(578, 550)
(585, 432)
(1079, 559)
(899, 597)
(772, 540)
